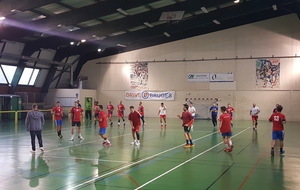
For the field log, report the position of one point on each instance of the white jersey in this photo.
(192, 110)
(255, 111)
(163, 110)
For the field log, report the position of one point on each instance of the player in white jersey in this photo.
(254, 114)
(162, 112)
(192, 110)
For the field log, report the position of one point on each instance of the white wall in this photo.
(275, 37)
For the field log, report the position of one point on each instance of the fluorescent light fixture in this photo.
(83, 40)
(204, 9)
(72, 43)
(216, 22)
(274, 7)
(121, 45)
(236, 1)
(2, 18)
(167, 34)
(99, 49)
(148, 24)
(122, 11)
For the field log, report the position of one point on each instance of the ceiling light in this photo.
(122, 11)
(274, 7)
(216, 22)
(167, 34)
(2, 18)
(72, 43)
(83, 40)
(236, 1)
(99, 49)
(204, 9)
(148, 24)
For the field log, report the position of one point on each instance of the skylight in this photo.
(9, 72)
(79, 3)
(53, 9)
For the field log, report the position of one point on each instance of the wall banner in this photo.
(221, 77)
(149, 95)
(198, 77)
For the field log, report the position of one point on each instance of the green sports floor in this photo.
(160, 162)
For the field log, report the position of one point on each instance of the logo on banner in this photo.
(145, 95)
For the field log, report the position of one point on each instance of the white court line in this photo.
(89, 142)
(185, 162)
(86, 159)
(134, 163)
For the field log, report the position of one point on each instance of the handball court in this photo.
(160, 162)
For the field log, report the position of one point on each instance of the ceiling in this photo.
(116, 26)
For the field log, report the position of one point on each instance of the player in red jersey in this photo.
(57, 112)
(278, 120)
(230, 111)
(187, 122)
(110, 108)
(103, 126)
(121, 109)
(76, 117)
(225, 129)
(141, 111)
(96, 112)
(135, 122)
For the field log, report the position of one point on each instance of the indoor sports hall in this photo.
(74, 73)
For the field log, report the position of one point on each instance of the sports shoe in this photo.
(282, 152)
(137, 143)
(80, 137)
(104, 142)
(133, 142)
(187, 146)
(192, 145)
(60, 136)
(32, 151)
(272, 152)
(42, 149)
(107, 144)
(118, 124)
(71, 139)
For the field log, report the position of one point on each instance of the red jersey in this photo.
(121, 108)
(135, 118)
(58, 112)
(187, 118)
(225, 118)
(76, 114)
(102, 119)
(110, 109)
(277, 118)
(96, 109)
(141, 110)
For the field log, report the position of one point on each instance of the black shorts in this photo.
(187, 129)
(77, 123)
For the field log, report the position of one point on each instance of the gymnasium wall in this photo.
(277, 37)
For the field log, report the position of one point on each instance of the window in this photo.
(29, 76)
(2, 77)
(9, 72)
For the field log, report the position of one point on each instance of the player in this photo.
(187, 122)
(230, 111)
(162, 112)
(278, 120)
(57, 112)
(103, 126)
(254, 114)
(88, 109)
(110, 108)
(135, 122)
(121, 109)
(225, 129)
(96, 112)
(141, 110)
(214, 114)
(192, 110)
(76, 117)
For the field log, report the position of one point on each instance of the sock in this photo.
(281, 149)
(58, 133)
(137, 136)
(118, 121)
(187, 141)
(272, 148)
(191, 141)
(230, 143)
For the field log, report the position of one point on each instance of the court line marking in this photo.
(183, 163)
(135, 163)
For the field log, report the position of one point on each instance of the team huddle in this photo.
(34, 122)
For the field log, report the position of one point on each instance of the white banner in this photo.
(221, 77)
(198, 77)
(149, 95)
